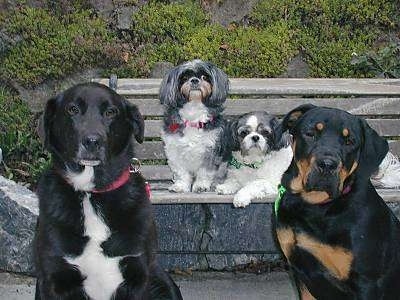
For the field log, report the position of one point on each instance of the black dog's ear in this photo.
(285, 138)
(46, 122)
(137, 122)
(373, 150)
(290, 119)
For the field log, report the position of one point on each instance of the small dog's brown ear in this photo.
(373, 150)
(290, 120)
(135, 118)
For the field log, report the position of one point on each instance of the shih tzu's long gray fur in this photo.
(193, 95)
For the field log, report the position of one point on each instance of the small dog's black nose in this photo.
(255, 138)
(327, 164)
(194, 80)
(92, 142)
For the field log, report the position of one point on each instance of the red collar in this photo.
(199, 125)
(120, 181)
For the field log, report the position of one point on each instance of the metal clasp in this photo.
(135, 165)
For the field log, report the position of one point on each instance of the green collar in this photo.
(281, 192)
(237, 164)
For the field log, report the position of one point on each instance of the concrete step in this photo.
(197, 286)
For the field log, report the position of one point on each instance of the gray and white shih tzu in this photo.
(257, 161)
(193, 95)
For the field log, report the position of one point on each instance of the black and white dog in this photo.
(193, 95)
(257, 161)
(96, 236)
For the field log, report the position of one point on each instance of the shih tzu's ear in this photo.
(290, 120)
(220, 84)
(169, 92)
(136, 120)
(232, 135)
(285, 138)
(373, 150)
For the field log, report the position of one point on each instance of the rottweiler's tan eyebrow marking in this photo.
(345, 132)
(319, 126)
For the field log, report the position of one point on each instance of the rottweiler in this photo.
(339, 237)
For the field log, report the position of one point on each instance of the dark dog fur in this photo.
(339, 237)
(90, 126)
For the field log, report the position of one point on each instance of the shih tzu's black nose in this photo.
(255, 138)
(194, 80)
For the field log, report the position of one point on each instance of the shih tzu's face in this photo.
(194, 80)
(195, 85)
(254, 132)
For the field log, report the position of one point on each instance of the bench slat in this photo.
(385, 127)
(357, 106)
(278, 86)
(165, 197)
(155, 149)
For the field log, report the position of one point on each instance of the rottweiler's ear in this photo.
(136, 120)
(46, 122)
(373, 150)
(290, 120)
(285, 138)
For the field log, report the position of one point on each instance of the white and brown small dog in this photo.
(257, 161)
(193, 95)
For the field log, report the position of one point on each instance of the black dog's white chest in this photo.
(102, 273)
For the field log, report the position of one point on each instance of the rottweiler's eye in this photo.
(111, 112)
(349, 141)
(310, 133)
(72, 109)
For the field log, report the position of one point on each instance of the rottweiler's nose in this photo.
(92, 142)
(327, 164)
(255, 138)
(194, 80)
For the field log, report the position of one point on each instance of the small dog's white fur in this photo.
(388, 174)
(249, 183)
(82, 181)
(102, 273)
(186, 152)
(255, 183)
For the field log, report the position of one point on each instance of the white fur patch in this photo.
(258, 183)
(252, 121)
(81, 181)
(388, 174)
(102, 273)
(186, 153)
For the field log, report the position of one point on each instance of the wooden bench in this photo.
(203, 231)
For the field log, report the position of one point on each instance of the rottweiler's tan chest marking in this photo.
(337, 260)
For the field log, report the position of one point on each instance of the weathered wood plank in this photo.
(358, 106)
(155, 149)
(385, 127)
(278, 86)
(156, 172)
(165, 197)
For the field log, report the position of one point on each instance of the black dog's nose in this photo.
(255, 138)
(327, 164)
(92, 142)
(194, 80)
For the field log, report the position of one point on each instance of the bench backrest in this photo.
(377, 100)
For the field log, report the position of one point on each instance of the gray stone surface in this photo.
(160, 69)
(227, 12)
(18, 213)
(124, 17)
(38, 96)
(197, 286)
(297, 67)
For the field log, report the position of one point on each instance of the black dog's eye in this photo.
(349, 141)
(111, 112)
(310, 133)
(72, 109)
